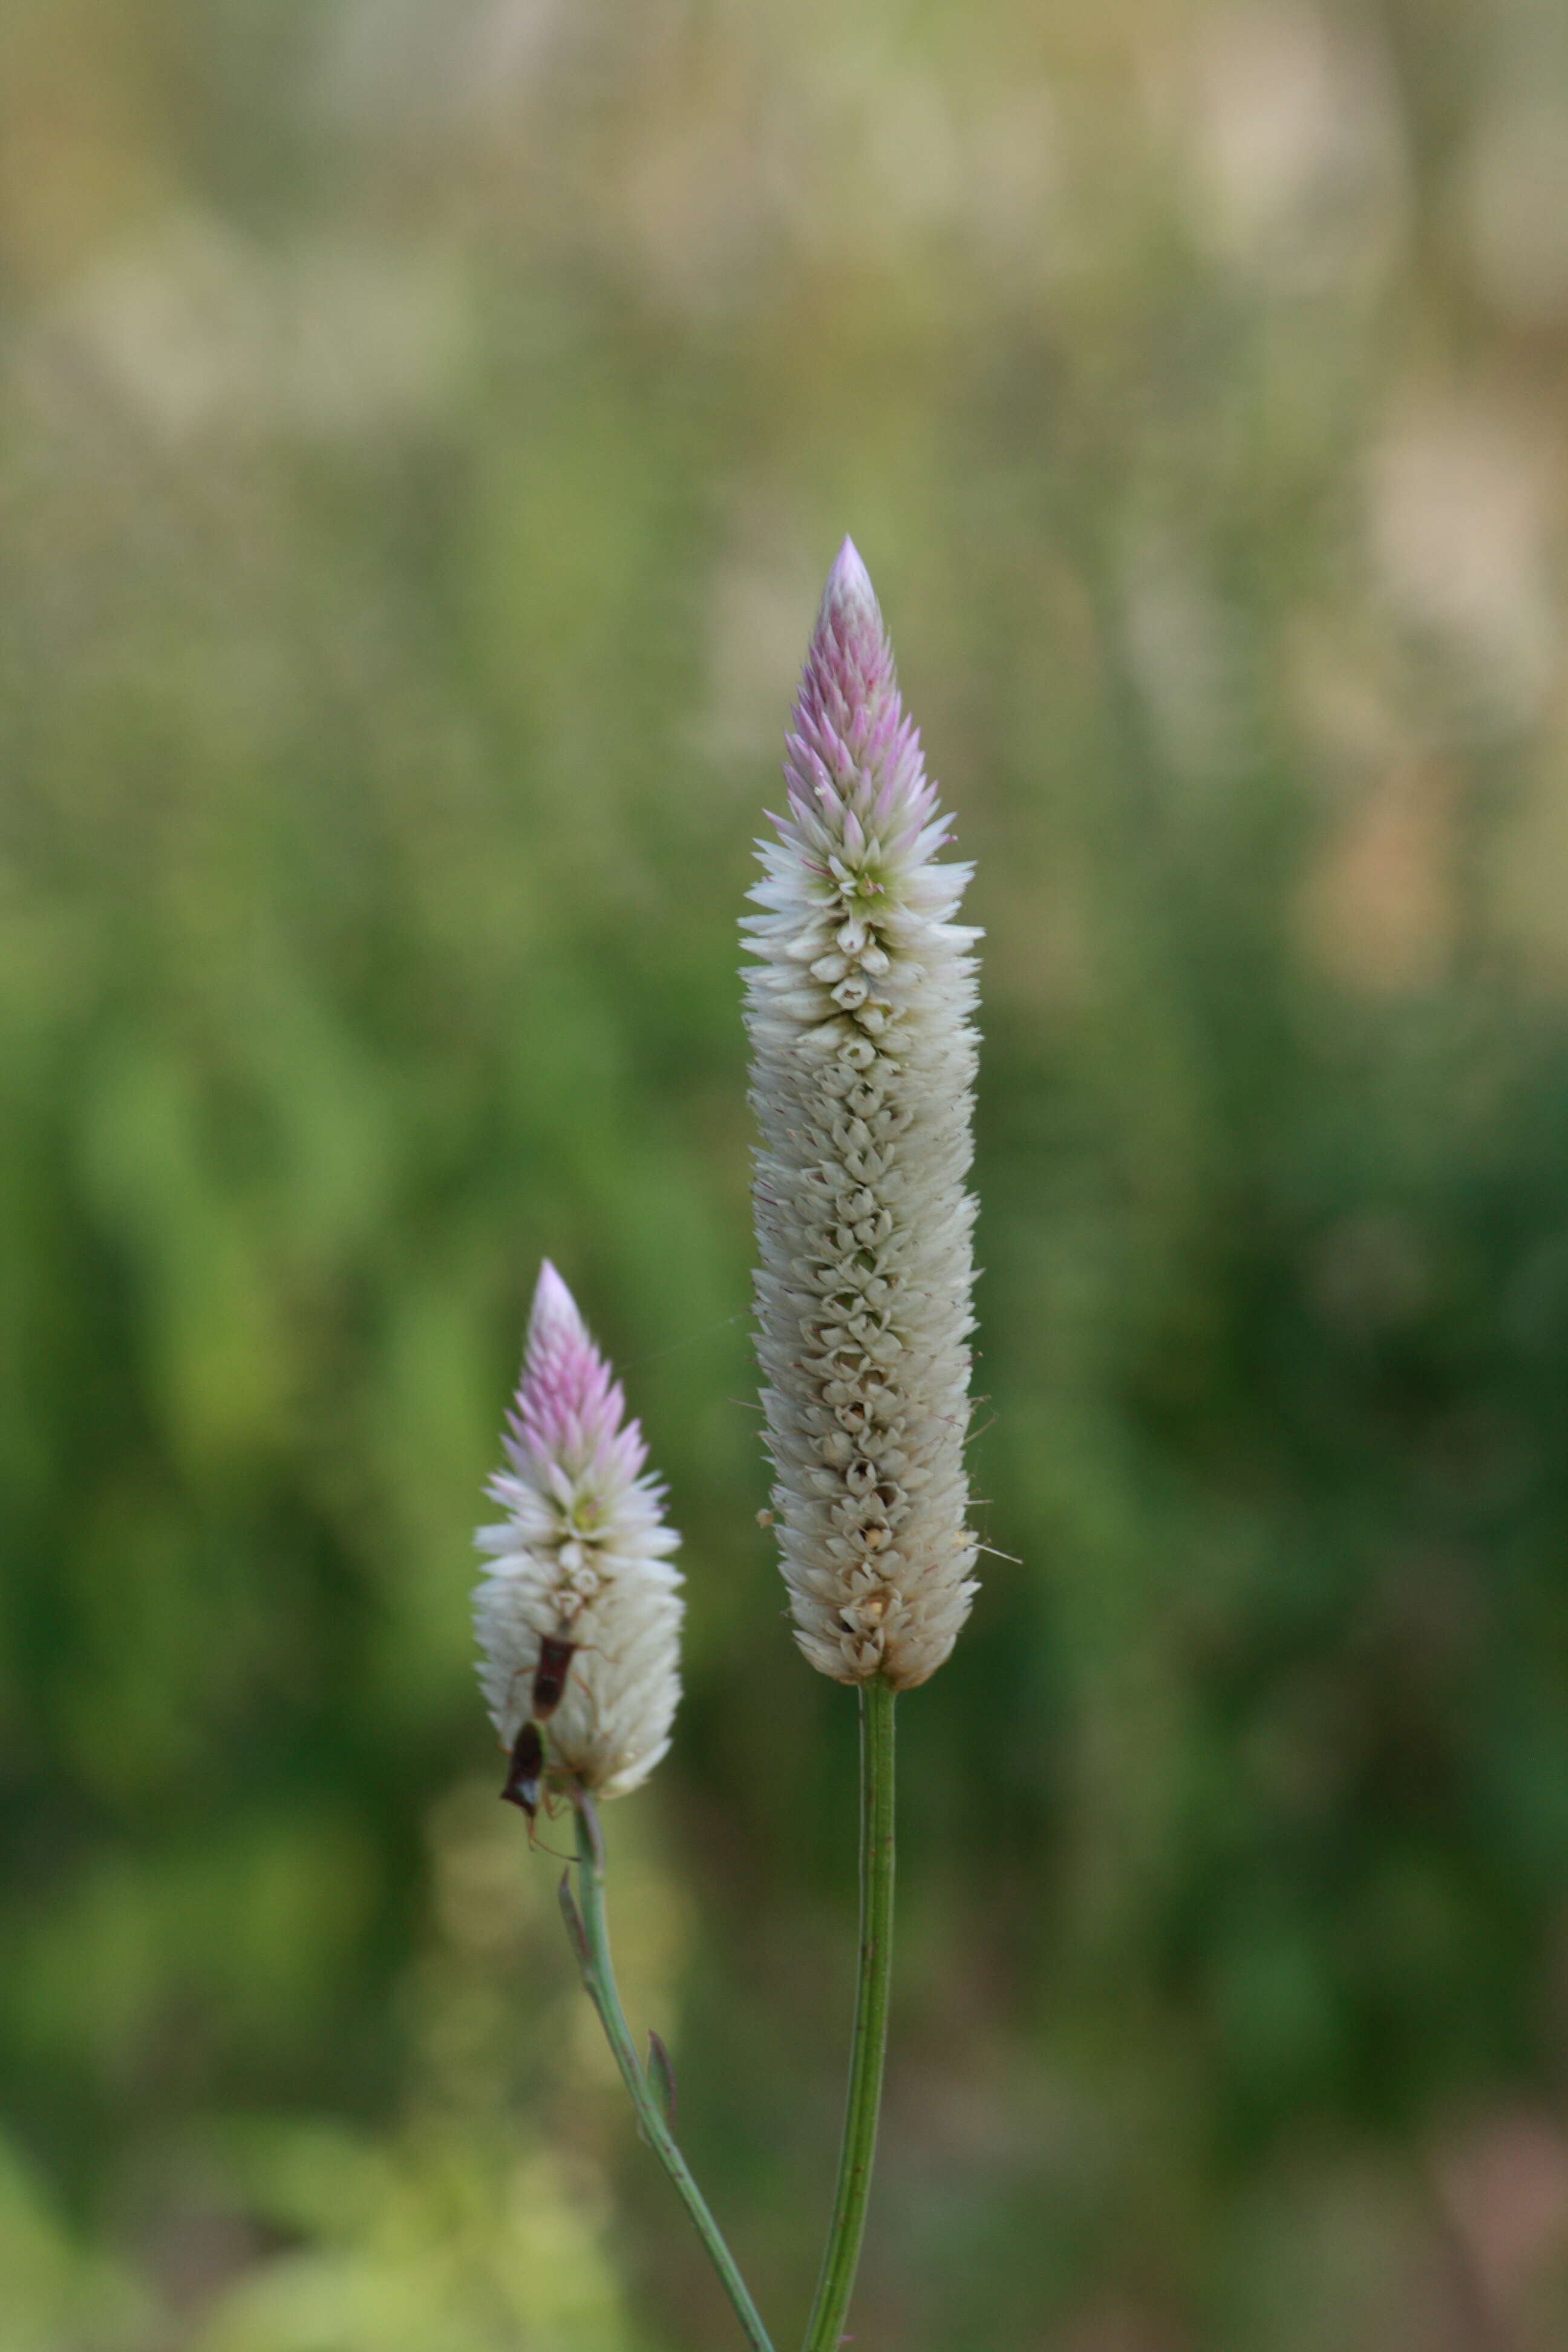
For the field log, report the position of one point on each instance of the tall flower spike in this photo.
(582, 1559)
(863, 1067)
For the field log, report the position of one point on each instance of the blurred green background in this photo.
(425, 425)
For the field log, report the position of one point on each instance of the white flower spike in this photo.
(581, 1560)
(863, 1067)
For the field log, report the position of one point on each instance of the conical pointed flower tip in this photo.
(553, 1302)
(848, 681)
(564, 1378)
(850, 588)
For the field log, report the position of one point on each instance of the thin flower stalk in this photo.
(868, 2046)
(590, 1938)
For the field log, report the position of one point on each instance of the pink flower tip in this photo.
(553, 1304)
(848, 683)
(567, 1404)
(850, 589)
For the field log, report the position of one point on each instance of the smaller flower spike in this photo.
(863, 1064)
(578, 1615)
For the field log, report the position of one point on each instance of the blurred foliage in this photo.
(423, 431)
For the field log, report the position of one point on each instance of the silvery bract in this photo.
(583, 1555)
(864, 1057)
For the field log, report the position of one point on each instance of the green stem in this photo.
(591, 1941)
(870, 2043)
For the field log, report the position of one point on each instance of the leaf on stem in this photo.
(575, 1930)
(660, 2073)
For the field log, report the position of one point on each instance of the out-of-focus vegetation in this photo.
(423, 427)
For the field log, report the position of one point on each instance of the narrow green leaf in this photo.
(660, 2073)
(575, 1930)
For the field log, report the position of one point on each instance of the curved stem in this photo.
(591, 1941)
(870, 2042)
